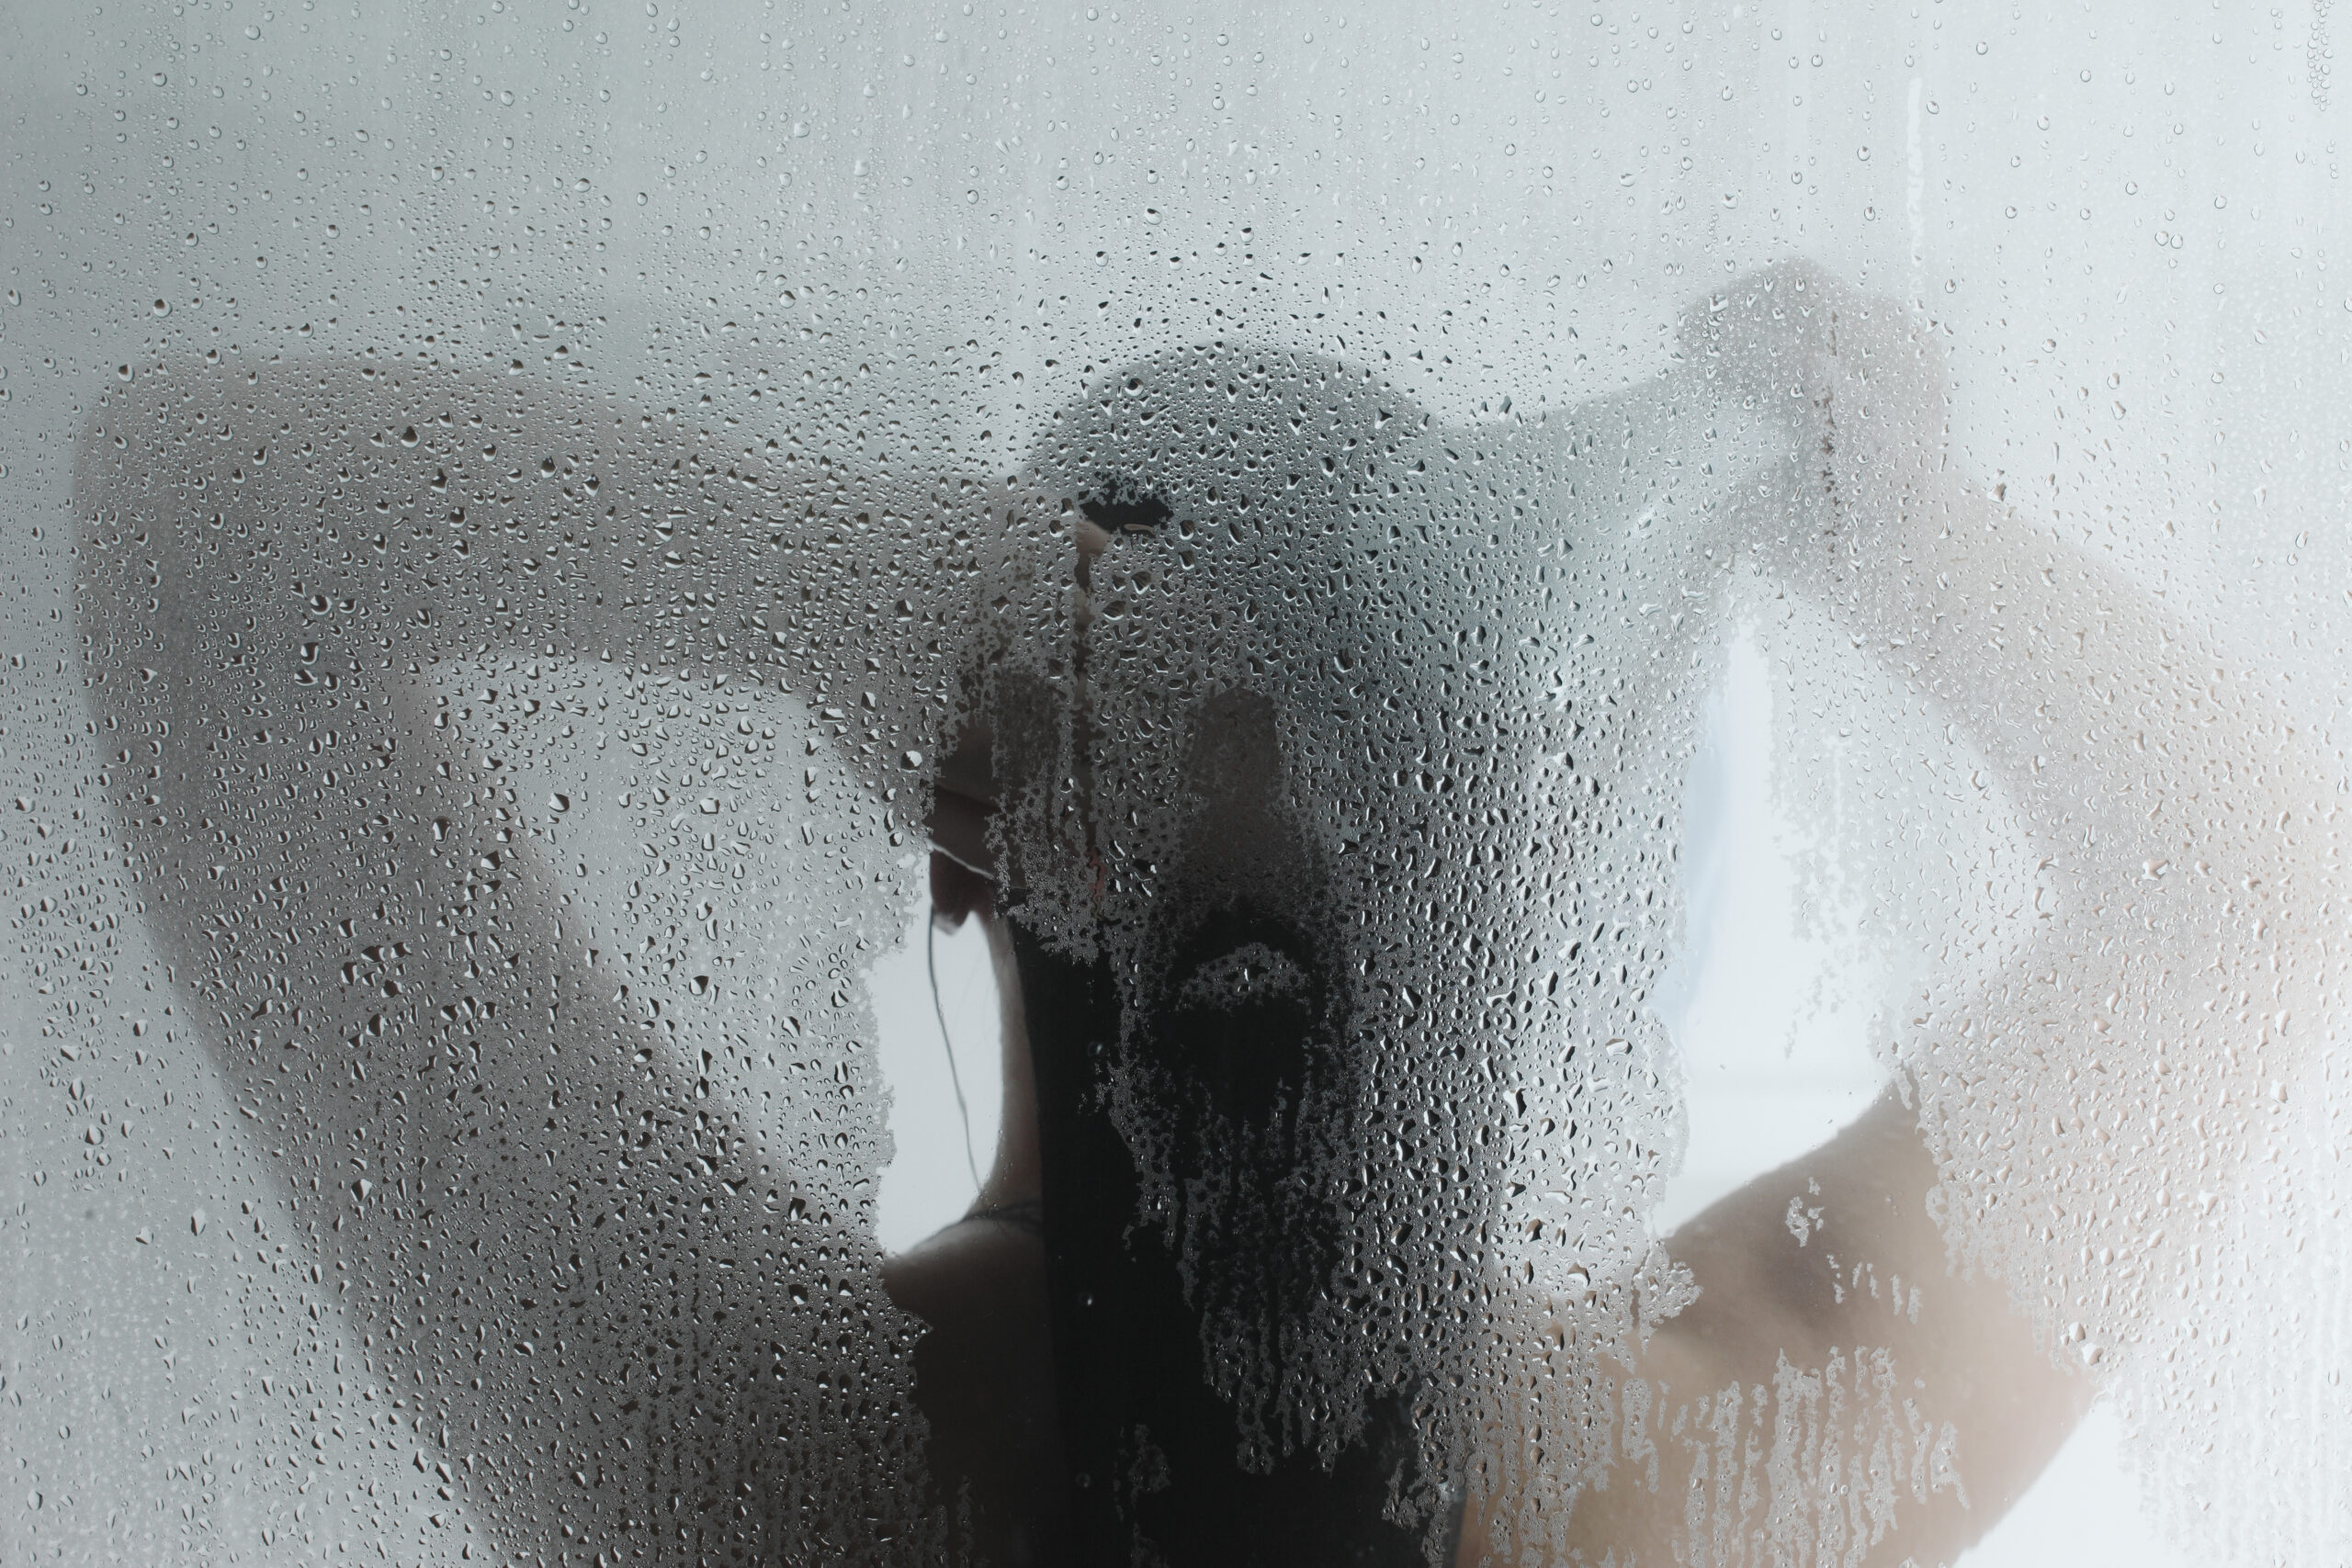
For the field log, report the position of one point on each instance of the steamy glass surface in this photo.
(975, 783)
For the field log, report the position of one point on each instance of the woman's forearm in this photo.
(507, 1155)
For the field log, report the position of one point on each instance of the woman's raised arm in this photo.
(1920, 1330)
(612, 1299)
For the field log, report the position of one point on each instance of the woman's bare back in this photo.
(1312, 765)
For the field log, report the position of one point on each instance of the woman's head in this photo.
(1310, 772)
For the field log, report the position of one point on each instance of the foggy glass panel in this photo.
(969, 784)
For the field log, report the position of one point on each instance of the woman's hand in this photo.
(2186, 835)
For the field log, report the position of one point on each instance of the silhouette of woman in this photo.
(1315, 768)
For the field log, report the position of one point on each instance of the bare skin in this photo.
(1769, 1302)
(1993, 596)
(1766, 1300)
